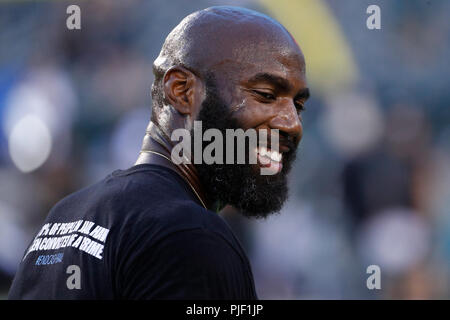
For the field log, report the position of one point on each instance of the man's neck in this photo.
(157, 148)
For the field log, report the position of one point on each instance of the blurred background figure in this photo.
(372, 182)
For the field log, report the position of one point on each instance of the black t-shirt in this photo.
(138, 234)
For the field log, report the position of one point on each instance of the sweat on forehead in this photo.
(217, 35)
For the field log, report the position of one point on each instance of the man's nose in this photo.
(287, 120)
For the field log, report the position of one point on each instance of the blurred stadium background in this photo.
(372, 181)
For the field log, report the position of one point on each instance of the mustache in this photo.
(288, 142)
(284, 140)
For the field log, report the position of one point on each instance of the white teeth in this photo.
(274, 155)
(263, 151)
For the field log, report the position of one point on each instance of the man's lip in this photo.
(284, 148)
(274, 166)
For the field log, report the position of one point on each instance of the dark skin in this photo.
(259, 71)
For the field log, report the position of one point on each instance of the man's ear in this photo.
(181, 88)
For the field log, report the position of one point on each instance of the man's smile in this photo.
(269, 159)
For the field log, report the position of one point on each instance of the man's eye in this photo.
(300, 106)
(265, 95)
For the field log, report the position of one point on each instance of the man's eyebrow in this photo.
(303, 94)
(277, 81)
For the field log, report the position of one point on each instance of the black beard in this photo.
(253, 194)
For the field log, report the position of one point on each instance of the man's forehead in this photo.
(257, 46)
(251, 67)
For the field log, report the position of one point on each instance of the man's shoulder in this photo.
(134, 190)
(145, 201)
(155, 193)
(144, 197)
(146, 182)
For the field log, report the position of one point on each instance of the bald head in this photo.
(221, 40)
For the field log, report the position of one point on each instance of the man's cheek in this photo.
(248, 114)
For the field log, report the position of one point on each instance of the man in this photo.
(152, 231)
